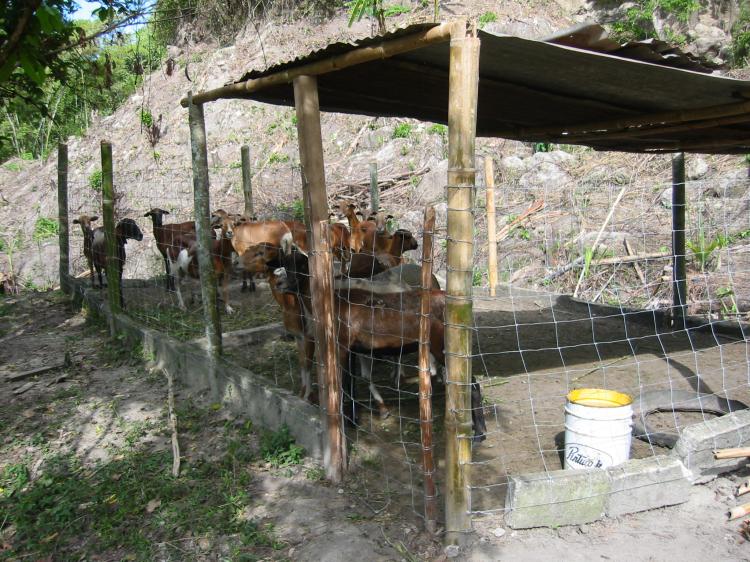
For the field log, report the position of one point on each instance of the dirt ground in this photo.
(85, 460)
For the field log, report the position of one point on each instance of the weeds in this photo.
(402, 131)
(485, 18)
(45, 228)
(279, 448)
(95, 180)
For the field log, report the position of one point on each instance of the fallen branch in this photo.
(638, 270)
(744, 488)
(173, 425)
(733, 453)
(578, 262)
(535, 207)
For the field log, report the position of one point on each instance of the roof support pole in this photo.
(679, 277)
(204, 234)
(462, 123)
(247, 181)
(321, 282)
(62, 217)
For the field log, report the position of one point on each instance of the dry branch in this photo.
(578, 262)
(173, 424)
(535, 207)
(744, 488)
(739, 511)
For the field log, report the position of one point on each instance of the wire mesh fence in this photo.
(585, 300)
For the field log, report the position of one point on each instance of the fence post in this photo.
(374, 189)
(62, 216)
(316, 212)
(679, 277)
(462, 119)
(114, 291)
(425, 380)
(199, 154)
(489, 182)
(247, 181)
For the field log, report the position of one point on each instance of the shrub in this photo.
(95, 180)
(279, 448)
(45, 228)
(485, 18)
(402, 131)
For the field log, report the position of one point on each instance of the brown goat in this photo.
(165, 235)
(88, 240)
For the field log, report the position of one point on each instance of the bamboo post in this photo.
(114, 291)
(374, 189)
(679, 277)
(462, 119)
(62, 216)
(204, 234)
(247, 183)
(425, 380)
(316, 212)
(489, 182)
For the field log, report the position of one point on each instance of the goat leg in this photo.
(477, 413)
(365, 366)
(225, 292)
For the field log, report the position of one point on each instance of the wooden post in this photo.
(489, 182)
(462, 119)
(316, 212)
(114, 291)
(679, 277)
(425, 380)
(247, 185)
(374, 189)
(204, 235)
(62, 216)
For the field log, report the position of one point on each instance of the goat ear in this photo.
(165, 212)
(149, 214)
(94, 218)
(76, 221)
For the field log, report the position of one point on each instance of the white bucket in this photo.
(598, 428)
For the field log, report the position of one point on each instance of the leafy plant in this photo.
(278, 158)
(146, 118)
(703, 250)
(373, 8)
(476, 278)
(485, 18)
(402, 131)
(741, 37)
(727, 293)
(638, 21)
(45, 228)
(542, 147)
(95, 180)
(396, 10)
(279, 448)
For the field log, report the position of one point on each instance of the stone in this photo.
(555, 498)
(642, 484)
(695, 167)
(547, 175)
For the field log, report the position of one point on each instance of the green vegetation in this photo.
(296, 208)
(542, 147)
(279, 448)
(402, 131)
(703, 249)
(147, 120)
(278, 158)
(638, 21)
(397, 10)
(485, 18)
(45, 228)
(741, 36)
(95, 180)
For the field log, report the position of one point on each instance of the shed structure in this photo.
(575, 88)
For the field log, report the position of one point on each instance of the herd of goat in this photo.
(376, 293)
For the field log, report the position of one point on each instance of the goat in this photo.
(182, 258)
(368, 322)
(88, 239)
(125, 230)
(264, 258)
(165, 235)
(217, 219)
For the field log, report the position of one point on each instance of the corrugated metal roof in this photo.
(539, 90)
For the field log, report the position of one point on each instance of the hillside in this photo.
(577, 186)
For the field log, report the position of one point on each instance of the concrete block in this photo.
(697, 442)
(561, 497)
(641, 484)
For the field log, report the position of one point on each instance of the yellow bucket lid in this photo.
(599, 398)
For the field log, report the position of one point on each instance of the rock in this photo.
(432, 186)
(452, 550)
(513, 164)
(498, 532)
(708, 40)
(173, 51)
(547, 175)
(695, 167)
(557, 157)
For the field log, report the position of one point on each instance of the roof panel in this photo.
(536, 90)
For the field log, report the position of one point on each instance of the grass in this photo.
(279, 449)
(402, 131)
(45, 228)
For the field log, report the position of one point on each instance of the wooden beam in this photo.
(62, 216)
(462, 123)
(384, 49)
(489, 182)
(204, 234)
(247, 181)
(114, 290)
(316, 212)
(425, 380)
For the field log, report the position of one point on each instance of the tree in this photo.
(39, 41)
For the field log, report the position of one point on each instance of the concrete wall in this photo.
(238, 389)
